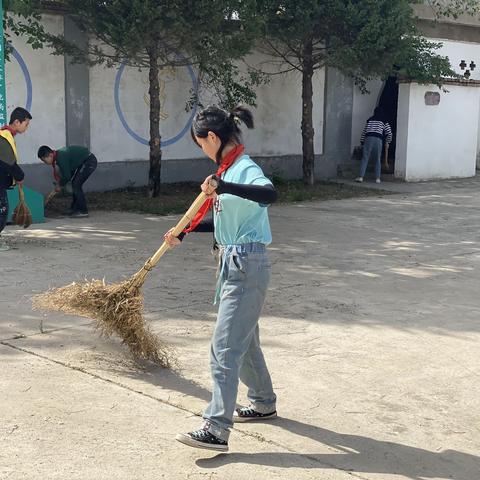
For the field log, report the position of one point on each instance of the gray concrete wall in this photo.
(134, 173)
(427, 12)
(77, 91)
(450, 31)
(337, 134)
(89, 116)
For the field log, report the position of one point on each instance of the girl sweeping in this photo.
(242, 231)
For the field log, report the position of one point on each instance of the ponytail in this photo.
(242, 114)
(223, 124)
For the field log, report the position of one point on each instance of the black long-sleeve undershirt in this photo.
(263, 194)
(203, 226)
(9, 173)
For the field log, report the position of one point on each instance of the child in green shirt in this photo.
(71, 164)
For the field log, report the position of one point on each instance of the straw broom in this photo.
(49, 198)
(385, 158)
(118, 308)
(22, 215)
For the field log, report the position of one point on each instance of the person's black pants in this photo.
(79, 203)
(3, 208)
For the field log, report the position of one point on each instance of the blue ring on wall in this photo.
(26, 74)
(138, 138)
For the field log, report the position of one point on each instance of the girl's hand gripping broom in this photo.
(118, 308)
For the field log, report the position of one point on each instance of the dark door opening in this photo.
(388, 101)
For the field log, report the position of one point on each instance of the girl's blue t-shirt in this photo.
(236, 219)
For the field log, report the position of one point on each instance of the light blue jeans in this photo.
(235, 349)
(372, 147)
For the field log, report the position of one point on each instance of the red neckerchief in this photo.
(10, 129)
(56, 176)
(227, 162)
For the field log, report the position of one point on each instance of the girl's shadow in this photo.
(359, 454)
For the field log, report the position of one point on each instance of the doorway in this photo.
(388, 101)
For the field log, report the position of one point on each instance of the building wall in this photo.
(403, 125)
(437, 141)
(426, 12)
(36, 81)
(338, 125)
(110, 115)
(363, 106)
(456, 51)
(467, 51)
(120, 116)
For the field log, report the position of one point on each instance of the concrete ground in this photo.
(371, 331)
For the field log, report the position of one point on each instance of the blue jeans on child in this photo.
(235, 349)
(372, 147)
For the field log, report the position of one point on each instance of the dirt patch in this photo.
(16, 239)
(176, 198)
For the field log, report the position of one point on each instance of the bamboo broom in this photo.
(118, 308)
(385, 158)
(49, 198)
(22, 215)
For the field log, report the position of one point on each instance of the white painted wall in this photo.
(403, 124)
(47, 76)
(277, 117)
(363, 106)
(435, 142)
(458, 51)
(278, 114)
(478, 138)
(119, 112)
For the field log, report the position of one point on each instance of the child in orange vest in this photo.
(10, 172)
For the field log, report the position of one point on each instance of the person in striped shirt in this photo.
(376, 131)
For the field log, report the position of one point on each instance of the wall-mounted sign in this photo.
(432, 98)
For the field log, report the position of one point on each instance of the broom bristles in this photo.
(22, 215)
(116, 309)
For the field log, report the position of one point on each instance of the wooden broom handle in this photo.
(184, 221)
(21, 195)
(49, 197)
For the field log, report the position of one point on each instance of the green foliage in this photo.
(361, 38)
(204, 33)
(22, 18)
(154, 34)
(418, 61)
(230, 85)
(454, 8)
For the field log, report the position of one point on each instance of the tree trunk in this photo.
(155, 145)
(307, 115)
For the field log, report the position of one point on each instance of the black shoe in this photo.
(203, 439)
(248, 414)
